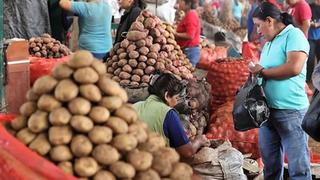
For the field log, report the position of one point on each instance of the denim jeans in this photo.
(283, 134)
(193, 55)
(99, 55)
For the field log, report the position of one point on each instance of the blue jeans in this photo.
(193, 55)
(283, 133)
(99, 55)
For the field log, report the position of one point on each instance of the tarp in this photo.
(25, 19)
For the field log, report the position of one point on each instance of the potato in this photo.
(86, 75)
(134, 84)
(108, 86)
(86, 166)
(142, 58)
(99, 67)
(149, 23)
(40, 144)
(100, 135)
(127, 68)
(138, 132)
(28, 108)
(135, 78)
(149, 70)
(25, 136)
(142, 65)
(143, 51)
(138, 26)
(110, 70)
(44, 84)
(155, 32)
(60, 116)
(145, 79)
(48, 103)
(124, 75)
(115, 65)
(162, 40)
(60, 135)
(118, 125)
(122, 170)
(131, 48)
(81, 123)
(104, 175)
(136, 35)
(18, 123)
(99, 114)
(91, 92)
(181, 171)
(125, 82)
(81, 146)
(111, 102)
(162, 166)
(66, 166)
(124, 43)
(151, 62)
(105, 154)
(31, 96)
(152, 55)
(133, 54)
(121, 50)
(38, 122)
(79, 106)
(141, 43)
(167, 153)
(140, 160)
(122, 62)
(66, 90)
(116, 78)
(62, 71)
(60, 153)
(154, 142)
(123, 55)
(160, 66)
(127, 113)
(125, 142)
(80, 59)
(149, 174)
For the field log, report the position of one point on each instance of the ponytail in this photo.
(286, 18)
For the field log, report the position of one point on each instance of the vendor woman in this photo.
(157, 111)
(188, 31)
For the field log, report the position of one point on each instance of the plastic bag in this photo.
(42, 66)
(250, 107)
(311, 121)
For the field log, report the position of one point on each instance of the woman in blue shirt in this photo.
(283, 66)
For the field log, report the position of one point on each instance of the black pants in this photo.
(314, 55)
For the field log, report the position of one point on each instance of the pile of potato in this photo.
(149, 46)
(47, 47)
(79, 119)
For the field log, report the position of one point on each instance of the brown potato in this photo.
(126, 68)
(48, 103)
(124, 82)
(100, 135)
(122, 170)
(152, 55)
(138, 132)
(91, 92)
(125, 142)
(66, 166)
(81, 59)
(168, 153)
(62, 71)
(118, 125)
(141, 43)
(60, 116)
(143, 51)
(25, 136)
(61, 153)
(162, 166)
(138, 26)
(133, 54)
(108, 86)
(133, 63)
(151, 62)
(38, 122)
(149, 174)
(143, 58)
(79, 106)
(181, 171)
(31, 96)
(117, 72)
(136, 35)
(121, 50)
(140, 160)
(124, 75)
(66, 90)
(110, 70)
(19, 123)
(99, 114)
(40, 144)
(104, 175)
(131, 47)
(99, 67)
(81, 146)
(28, 108)
(124, 43)
(111, 102)
(127, 113)
(86, 166)
(81, 124)
(149, 41)
(134, 84)
(86, 75)
(105, 154)
(149, 23)
(149, 70)
(154, 142)
(44, 84)
(135, 78)
(60, 135)
(145, 79)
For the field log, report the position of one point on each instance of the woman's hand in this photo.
(255, 69)
(203, 140)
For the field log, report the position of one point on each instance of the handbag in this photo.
(250, 107)
(311, 120)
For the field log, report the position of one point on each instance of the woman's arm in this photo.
(182, 36)
(65, 4)
(188, 150)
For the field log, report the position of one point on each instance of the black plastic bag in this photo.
(311, 121)
(250, 107)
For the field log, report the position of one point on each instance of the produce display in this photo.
(79, 119)
(205, 43)
(47, 47)
(149, 46)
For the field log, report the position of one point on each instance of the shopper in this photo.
(188, 31)
(132, 9)
(283, 66)
(301, 13)
(157, 111)
(314, 38)
(94, 25)
(237, 8)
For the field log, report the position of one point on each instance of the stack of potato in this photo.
(80, 119)
(149, 46)
(47, 47)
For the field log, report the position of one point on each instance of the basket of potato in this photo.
(79, 119)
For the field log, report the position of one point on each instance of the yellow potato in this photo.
(79, 106)
(111, 102)
(85, 166)
(99, 67)
(100, 135)
(59, 117)
(59, 135)
(44, 84)
(90, 92)
(149, 174)
(168, 153)
(81, 146)
(81, 59)
(62, 71)
(40, 144)
(181, 171)
(66, 166)
(60, 153)
(109, 86)
(38, 121)
(32, 96)
(66, 90)
(86, 75)
(105, 154)
(127, 113)
(99, 114)
(154, 142)
(140, 160)
(48, 103)
(81, 124)
(19, 123)
(125, 142)
(122, 170)
(162, 166)
(28, 108)
(117, 125)
(25, 136)
(104, 175)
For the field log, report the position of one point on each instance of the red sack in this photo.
(221, 52)
(20, 163)
(250, 51)
(41, 66)
(207, 55)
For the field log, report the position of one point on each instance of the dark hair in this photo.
(192, 3)
(267, 9)
(219, 36)
(165, 82)
(140, 3)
